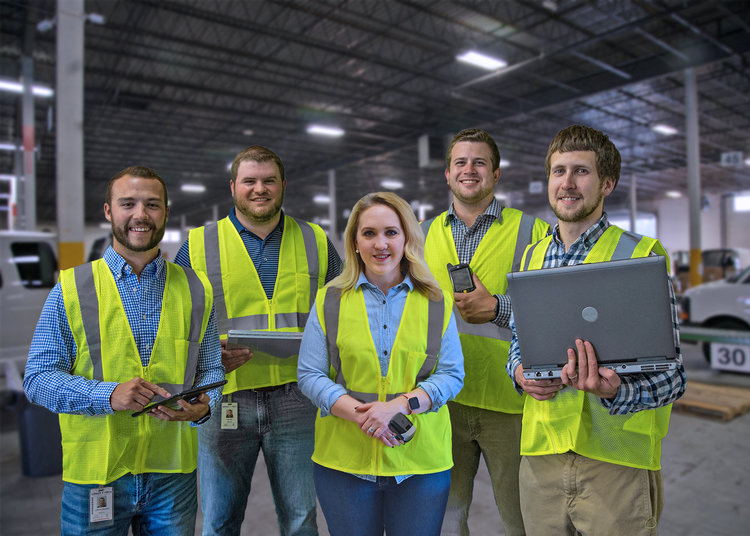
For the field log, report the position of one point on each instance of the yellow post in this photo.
(71, 254)
(696, 267)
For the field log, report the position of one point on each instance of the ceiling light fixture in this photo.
(481, 60)
(193, 188)
(5, 146)
(17, 87)
(664, 129)
(747, 161)
(674, 194)
(504, 163)
(391, 184)
(321, 199)
(321, 130)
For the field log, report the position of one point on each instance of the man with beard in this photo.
(486, 415)
(103, 349)
(591, 451)
(265, 268)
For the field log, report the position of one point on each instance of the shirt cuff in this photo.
(503, 311)
(100, 398)
(622, 402)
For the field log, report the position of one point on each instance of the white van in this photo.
(28, 270)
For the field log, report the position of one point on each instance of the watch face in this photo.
(413, 403)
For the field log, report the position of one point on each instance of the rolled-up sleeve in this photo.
(446, 381)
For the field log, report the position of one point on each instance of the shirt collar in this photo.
(121, 269)
(589, 236)
(495, 210)
(362, 280)
(237, 225)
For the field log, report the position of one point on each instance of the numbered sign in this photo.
(730, 357)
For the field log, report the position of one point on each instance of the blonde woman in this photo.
(382, 341)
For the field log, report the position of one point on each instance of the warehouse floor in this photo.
(705, 469)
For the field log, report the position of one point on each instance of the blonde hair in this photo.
(412, 263)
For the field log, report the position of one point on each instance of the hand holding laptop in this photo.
(541, 389)
(590, 377)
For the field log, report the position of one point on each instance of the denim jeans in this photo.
(159, 504)
(357, 507)
(282, 423)
(496, 436)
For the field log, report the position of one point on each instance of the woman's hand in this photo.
(375, 419)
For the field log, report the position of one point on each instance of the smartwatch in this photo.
(413, 403)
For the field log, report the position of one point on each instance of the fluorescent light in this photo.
(481, 60)
(193, 188)
(229, 166)
(172, 236)
(105, 225)
(747, 161)
(17, 87)
(321, 199)
(248, 132)
(4, 146)
(321, 130)
(504, 163)
(664, 129)
(7, 177)
(674, 194)
(501, 197)
(391, 184)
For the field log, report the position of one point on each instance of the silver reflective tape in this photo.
(89, 303)
(198, 301)
(625, 246)
(311, 252)
(523, 239)
(213, 271)
(291, 320)
(248, 322)
(331, 306)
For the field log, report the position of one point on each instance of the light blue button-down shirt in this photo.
(48, 380)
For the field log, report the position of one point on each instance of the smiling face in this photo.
(380, 240)
(470, 175)
(576, 192)
(258, 192)
(138, 214)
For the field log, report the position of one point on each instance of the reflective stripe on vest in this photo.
(331, 308)
(256, 322)
(89, 303)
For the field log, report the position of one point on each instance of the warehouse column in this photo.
(69, 132)
(28, 190)
(693, 176)
(633, 203)
(332, 232)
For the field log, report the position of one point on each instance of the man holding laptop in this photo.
(591, 439)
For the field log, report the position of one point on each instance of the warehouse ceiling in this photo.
(183, 85)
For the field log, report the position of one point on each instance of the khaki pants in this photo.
(495, 436)
(571, 494)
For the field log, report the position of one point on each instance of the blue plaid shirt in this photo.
(48, 380)
(467, 241)
(637, 391)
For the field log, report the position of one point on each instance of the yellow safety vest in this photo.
(217, 250)
(339, 443)
(98, 450)
(577, 421)
(485, 346)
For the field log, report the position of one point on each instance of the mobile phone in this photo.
(402, 427)
(190, 395)
(461, 277)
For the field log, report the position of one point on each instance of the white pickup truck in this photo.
(721, 304)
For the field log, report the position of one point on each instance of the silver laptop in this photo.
(281, 344)
(622, 307)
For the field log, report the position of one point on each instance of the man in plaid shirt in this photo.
(591, 440)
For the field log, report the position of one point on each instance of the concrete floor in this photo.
(705, 469)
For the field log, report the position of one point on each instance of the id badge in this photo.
(101, 504)
(229, 415)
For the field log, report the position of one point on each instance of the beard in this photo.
(581, 214)
(121, 234)
(258, 215)
(475, 197)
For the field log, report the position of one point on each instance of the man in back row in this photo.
(591, 440)
(265, 268)
(486, 415)
(113, 334)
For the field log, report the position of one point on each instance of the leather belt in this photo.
(269, 388)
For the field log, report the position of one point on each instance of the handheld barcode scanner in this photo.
(402, 427)
(461, 277)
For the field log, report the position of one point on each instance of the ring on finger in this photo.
(370, 430)
(572, 378)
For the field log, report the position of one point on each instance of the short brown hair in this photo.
(256, 153)
(137, 171)
(583, 138)
(474, 135)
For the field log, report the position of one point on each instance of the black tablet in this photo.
(188, 395)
